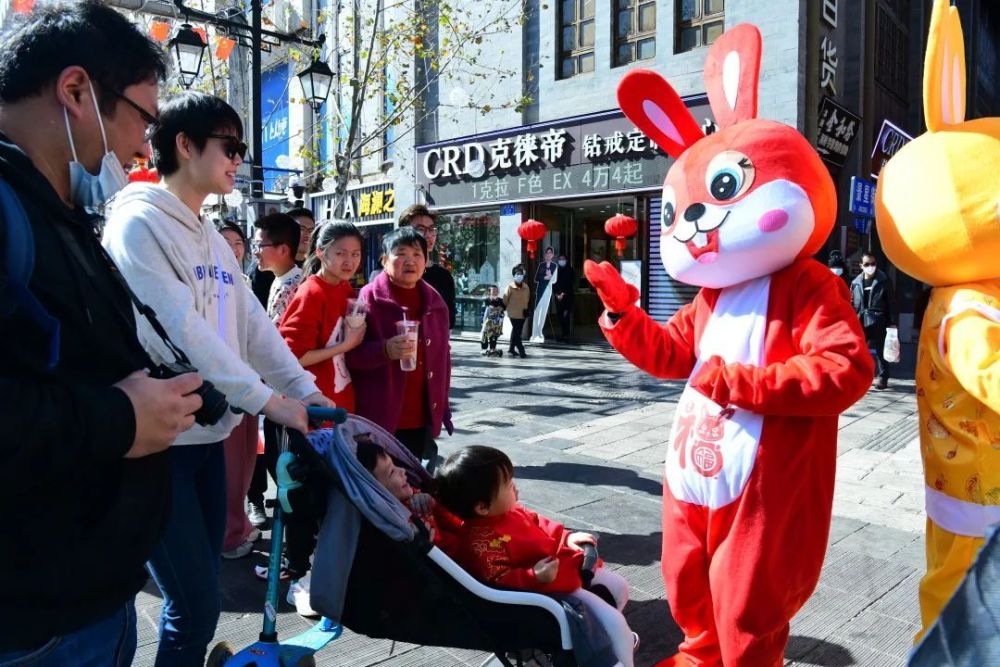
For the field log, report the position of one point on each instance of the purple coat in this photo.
(378, 381)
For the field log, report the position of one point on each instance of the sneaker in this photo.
(485, 353)
(260, 571)
(882, 383)
(523, 355)
(242, 550)
(298, 595)
(255, 512)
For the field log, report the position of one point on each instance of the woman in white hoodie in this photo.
(177, 263)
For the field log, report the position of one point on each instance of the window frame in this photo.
(701, 20)
(633, 37)
(576, 52)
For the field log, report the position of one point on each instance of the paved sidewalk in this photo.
(587, 433)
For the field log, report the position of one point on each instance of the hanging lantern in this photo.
(223, 47)
(159, 30)
(532, 231)
(315, 81)
(622, 227)
(188, 48)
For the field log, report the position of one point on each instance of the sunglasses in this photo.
(231, 145)
(868, 264)
(152, 122)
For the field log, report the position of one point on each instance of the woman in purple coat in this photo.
(410, 404)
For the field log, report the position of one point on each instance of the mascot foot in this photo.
(674, 661)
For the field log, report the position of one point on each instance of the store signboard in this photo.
(890, 139)
(363, 204)
(274, 112)
(862, 197)
(598, 154)
(837, 128)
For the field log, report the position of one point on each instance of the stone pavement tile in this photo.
(645, 581)
(425, 656)
(886, 476)
(876, 632)
(834, 653)
(613, 450)
(647, 458)
(827, 609)
(877, 541)
(659, 636)
(859, 492)
(862, 575)
(587, 472)
(913, 554)
(895, 517)
(627, 513)
(902, 602)
(555, 443)
(558, 496)
(841, 527)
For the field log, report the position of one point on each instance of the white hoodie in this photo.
(181, 267)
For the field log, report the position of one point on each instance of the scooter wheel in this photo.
(219, 655)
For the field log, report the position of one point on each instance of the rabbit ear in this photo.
(732, 71)
(656, 109)
(944, 69)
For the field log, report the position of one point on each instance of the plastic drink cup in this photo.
(411, 329)
(355, 313)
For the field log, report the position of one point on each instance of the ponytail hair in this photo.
(325, 236)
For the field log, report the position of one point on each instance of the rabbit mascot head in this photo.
(742, 202)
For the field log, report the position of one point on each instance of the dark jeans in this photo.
(564, 309)
(185, 564)
(875, 337)
(258, 483)
(308, 503)
(516, 327)
(490, 343)
(418, 441)
(107, 643)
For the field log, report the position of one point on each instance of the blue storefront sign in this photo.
(862, 197)
(274, 120)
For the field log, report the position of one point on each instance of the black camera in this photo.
(213, 402)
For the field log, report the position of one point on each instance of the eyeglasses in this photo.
(257, 245)
(868, 264)
(231, 146)
(152, 122)
(420, 229)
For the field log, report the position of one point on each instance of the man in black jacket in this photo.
(871, 296)
(424, 221)
(564, 291)
(84, 477)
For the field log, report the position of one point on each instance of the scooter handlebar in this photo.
(321, 414)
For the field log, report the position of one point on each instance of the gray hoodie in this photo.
(179, 265)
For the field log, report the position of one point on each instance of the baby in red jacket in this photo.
(504, 544)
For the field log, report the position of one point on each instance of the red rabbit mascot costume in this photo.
(772, 348)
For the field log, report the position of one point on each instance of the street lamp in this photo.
(188, 49)
(315, 81)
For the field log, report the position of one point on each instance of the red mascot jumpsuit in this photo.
(773, 351)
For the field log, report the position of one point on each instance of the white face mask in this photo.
(519, 278)
(562, 262)
(869, 270)
(88, 190)
(837, 271)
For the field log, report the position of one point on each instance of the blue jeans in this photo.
(107, 643)
(185, 564)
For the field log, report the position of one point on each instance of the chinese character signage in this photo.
(862, 197)
(602, 153)
(274, 111)
(890, 140)
(361, 205)
(837, 129)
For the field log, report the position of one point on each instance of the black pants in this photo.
(875, 337)
(308, 507)
(258, 482)
(564, 309)
(418, 441)
(516, 327)
(489, 342)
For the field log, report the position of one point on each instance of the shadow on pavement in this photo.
(659, 636)
(630, 549)
(582, 473)
(812, 651)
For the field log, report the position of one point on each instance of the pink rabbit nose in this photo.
(772, 221)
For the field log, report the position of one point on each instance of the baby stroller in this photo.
(377, 573)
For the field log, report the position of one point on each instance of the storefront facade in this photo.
(570, 174)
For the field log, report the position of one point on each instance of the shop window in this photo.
(635, 30)
(576, 37)
(468, 245)
(699, 23)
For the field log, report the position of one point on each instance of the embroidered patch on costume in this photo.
(706, 458)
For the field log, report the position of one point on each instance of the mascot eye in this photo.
(669, 212)
(729, 175)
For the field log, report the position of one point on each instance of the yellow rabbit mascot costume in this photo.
(938, 213)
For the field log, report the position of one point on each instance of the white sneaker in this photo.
(298, 595)
(243, 549)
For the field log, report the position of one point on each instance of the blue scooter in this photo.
(268, 651)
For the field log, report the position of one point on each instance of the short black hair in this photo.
(548, 249)
(197, 115)
(836, 260)
(280, 229)
(415, 211)
(230, 226)
(37, 47)
(302, 212)
(471, 476)
(869, 254)
(368, 452)
(518, 269)
(404, 236)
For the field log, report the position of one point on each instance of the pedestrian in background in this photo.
(517, 300)
(872, 298)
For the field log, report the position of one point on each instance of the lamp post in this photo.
(315, 81)
(188, 49)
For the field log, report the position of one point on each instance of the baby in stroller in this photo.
(492, 323)
(505, 544)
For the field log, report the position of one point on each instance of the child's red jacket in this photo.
(502, 550)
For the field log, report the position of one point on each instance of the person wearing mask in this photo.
(517, 300)
(872, 298)
(413, 404)
(564, 290)
(838, 266)
(178, 264)
(307, 225)
(84, 471)
(275, 242)
(424, 221)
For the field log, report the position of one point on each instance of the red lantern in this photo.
(622, 227)
(532, 231)
(159, 30)
(143, 174)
